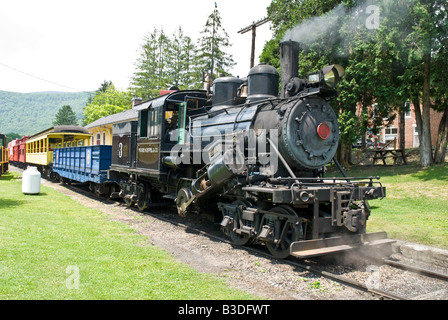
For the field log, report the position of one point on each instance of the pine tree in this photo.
(65, 116)
(163, 46)
(190, 77)
(181, 60)
(145, 81)
(213, 43)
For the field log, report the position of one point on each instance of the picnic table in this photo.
(382, 154)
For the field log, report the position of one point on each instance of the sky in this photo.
(75, 45)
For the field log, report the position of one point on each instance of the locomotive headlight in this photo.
(328, 76)
(331, 75)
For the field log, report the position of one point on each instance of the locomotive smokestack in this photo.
(289, 63)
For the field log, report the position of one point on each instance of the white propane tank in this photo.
(31, 181)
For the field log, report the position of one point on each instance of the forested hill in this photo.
(30, 113)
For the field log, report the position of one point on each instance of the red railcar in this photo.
(22, 151)
(18, 154)
(14, 157)
(11, 145)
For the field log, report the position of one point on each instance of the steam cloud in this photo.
(337, 24)
(311, 29)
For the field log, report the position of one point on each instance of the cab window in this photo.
(154, 123)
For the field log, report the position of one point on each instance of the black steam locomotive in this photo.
(251, 158)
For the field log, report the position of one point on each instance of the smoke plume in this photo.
(337, 26)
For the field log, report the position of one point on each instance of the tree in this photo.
(181, 57)
(65, 116)
(145, 82)
(421, 41)
(164, 62)
(403, 57)
(440, 88)
(106, 103)
(12, 136)
(190, 77)
(102, 89)
(214, 41)
(428, 45)
(326, 37)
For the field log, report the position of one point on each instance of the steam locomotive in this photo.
(250, 158)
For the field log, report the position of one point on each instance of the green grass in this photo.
(416, 204)
(45, 239)
(51, 247)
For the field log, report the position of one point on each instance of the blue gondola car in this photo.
(88, 164)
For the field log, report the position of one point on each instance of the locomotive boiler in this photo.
(252, 158)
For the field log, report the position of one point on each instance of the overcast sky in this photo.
(77, 44)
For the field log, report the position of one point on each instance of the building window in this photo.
(390, 133)
(407, 110)
(98, 138)
(416, 140)
(104, 138)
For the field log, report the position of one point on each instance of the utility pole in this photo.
(253, 27)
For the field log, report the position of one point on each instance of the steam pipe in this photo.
(285, 164)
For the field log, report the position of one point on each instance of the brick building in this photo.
(411, 133)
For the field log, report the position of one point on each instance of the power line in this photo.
(42, 79)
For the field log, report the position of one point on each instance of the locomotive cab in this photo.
(141, 150)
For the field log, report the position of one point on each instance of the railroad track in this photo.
(172, 218)
(382, 294)
(408, 267)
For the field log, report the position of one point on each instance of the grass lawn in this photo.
(416, 204)
(51, 247)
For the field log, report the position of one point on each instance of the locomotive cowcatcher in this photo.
(252, 158)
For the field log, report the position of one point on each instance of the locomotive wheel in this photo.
(142, 202)
(287, 231)
(240, 239)
(129, 203)
(183, 200)
(144, 196)
(96, 188)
